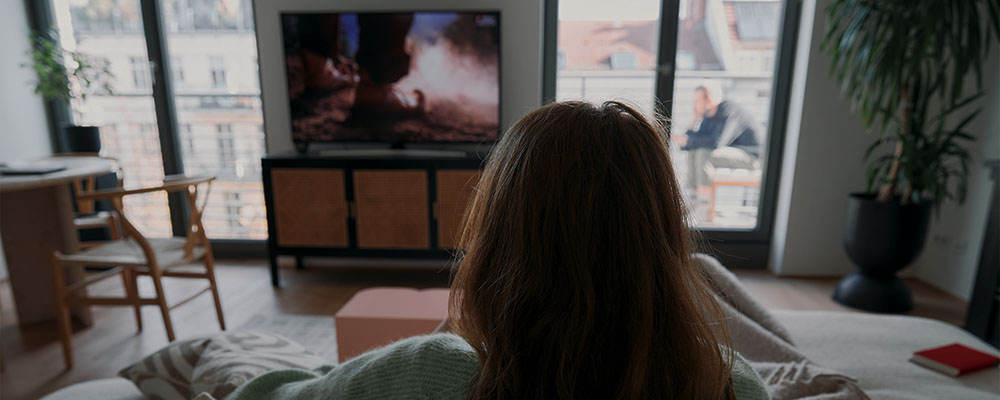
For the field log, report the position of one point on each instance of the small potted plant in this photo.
(905, 66)
(66, 75)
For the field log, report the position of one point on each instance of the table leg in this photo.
(33, 224)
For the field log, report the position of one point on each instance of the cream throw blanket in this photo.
(762, 341)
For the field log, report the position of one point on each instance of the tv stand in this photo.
(393, 152)
(361, 203)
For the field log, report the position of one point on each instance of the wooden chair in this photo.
(135, 255)
(86, 207)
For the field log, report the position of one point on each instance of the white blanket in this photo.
(766, 344)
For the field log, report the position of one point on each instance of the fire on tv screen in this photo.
(393, 77)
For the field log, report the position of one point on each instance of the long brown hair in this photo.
(577, 280)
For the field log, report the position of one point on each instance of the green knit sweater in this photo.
(437, 366)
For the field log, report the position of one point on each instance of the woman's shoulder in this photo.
(747, 384)
(437, 366)
(438, 348)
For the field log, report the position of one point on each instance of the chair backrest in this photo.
(195, 228)
(87, 185)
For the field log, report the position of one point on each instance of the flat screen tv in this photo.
(425, 76)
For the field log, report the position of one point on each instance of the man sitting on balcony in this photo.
(722, 135)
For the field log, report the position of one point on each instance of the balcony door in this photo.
(717, 73)
(186, 100)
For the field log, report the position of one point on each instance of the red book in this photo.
(954, 359)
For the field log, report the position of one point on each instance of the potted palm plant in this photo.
(65, 75)
(905, 65)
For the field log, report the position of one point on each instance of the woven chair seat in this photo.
(169, 253)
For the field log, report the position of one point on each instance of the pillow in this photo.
(166, 374)
(232, 359)
(216, 365)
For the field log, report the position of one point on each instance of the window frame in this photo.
(737, 248)
(41, 18)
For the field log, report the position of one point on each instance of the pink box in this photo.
(378, 316)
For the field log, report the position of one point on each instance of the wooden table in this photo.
(36, 218)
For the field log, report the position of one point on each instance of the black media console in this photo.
(357, 204)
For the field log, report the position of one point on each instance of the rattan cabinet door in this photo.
(454, 191)
(392, 209)
(310, 207)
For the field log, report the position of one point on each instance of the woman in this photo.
(576, 282)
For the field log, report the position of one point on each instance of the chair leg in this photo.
(210, 269)
(62, 312)
(129, 279)
(162, 302)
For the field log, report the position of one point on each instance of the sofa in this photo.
(874, 349)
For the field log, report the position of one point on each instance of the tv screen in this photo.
(393, 77)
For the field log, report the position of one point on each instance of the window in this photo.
(232, 200)
(756, 20)
(221, 103)
(725, 64)
(593, 66)
(140, 73)
(218, 71)
(177, 70)
(127, 119)
(227, 153)
(218, 132)
(729, 77)
(623, 60)
(686, 61)
(188, 138)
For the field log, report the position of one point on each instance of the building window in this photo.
(227, 145)
(150, 142)
(624, 60)
(232, 204)
(140, 73)
(218, 69)
(188, 138)
(177, 68)
(561, 59)
(757, 20)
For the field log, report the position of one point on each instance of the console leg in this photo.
(299, 264)
(275, 279)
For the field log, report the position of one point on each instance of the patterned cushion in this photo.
(232, 359)
(166, 374)
(216, 365)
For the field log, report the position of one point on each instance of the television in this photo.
(393, 77)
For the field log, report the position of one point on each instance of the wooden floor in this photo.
(33, 360)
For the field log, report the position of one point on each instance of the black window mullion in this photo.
(550, 49)
(166, 112)
(665, 60)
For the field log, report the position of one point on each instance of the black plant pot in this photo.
(83, 139)
(881, 238)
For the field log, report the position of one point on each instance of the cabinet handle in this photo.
(434, 210)
(352, 210)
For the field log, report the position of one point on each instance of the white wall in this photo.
(25, 131)
(823, 162)
(520, 54)
(823, 149)
(951, 257)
